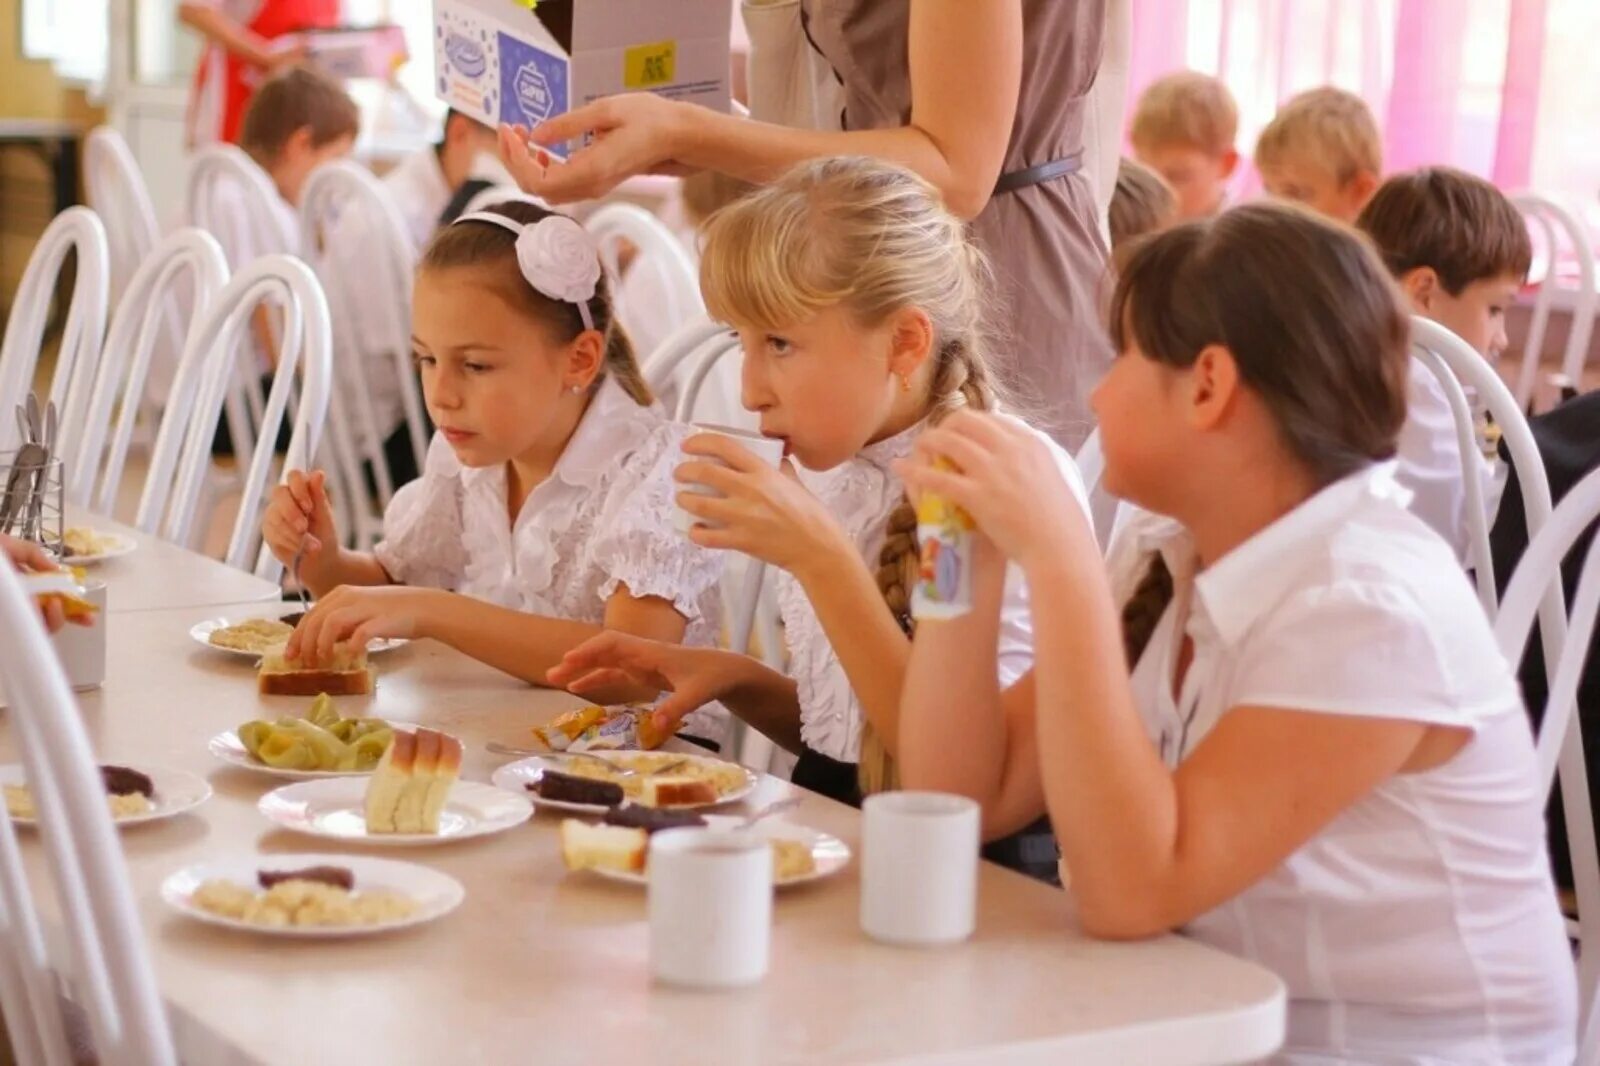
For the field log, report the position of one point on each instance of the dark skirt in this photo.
(1031, 851)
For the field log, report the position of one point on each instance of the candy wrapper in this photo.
(944, 576)
(602, 729)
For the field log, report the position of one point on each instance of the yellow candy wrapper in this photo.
(944, 537)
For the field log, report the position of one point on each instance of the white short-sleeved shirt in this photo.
(602, 519)
(1430, 460)
(1421, 925)
(862, 493)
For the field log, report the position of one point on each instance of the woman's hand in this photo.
(693, 676)
(763, 512)
(298, 510)
(1007, 479)
(354, 615)
(634, 133)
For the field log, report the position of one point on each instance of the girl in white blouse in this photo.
(859, 303)
(1321, 761)
(544, 513)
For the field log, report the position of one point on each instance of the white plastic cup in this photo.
(767, 449)
(82, 649)
(710, 906)
(919, 868)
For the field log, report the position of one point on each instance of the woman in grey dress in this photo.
(984, 100)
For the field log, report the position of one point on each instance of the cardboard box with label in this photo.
(499, 61)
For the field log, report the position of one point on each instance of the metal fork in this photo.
(294, 570)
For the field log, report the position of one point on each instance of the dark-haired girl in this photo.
(1319, 761)
(546, 502)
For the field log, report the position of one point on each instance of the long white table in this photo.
(159, 575)
(543, 966)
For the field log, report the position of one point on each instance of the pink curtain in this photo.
(1418, 108)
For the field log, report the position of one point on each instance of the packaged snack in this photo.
(944, 577)
(561, 731)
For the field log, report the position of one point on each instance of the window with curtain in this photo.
(1503, 88)
(71, 36)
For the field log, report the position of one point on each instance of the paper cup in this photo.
(919, 868)
(710, 906)
(766, 449)
(82, 649)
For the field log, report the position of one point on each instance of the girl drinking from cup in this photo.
(1320, 761)
(544, 514)
(859, 305)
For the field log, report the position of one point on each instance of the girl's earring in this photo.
(574, 389)
(905, 382)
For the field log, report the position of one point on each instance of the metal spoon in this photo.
(770, 809)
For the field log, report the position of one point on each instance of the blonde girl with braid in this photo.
(544, 513)
(860, 305)
(1302, 744)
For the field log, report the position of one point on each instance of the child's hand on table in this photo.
(694, 676)
(29, 558)
(356, 614)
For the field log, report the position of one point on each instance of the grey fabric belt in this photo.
(1039, 173)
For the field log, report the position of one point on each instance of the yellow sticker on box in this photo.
(645, 66)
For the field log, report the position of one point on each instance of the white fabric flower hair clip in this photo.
(557, 256)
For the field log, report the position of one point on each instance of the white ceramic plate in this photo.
(227, 746)
(201, 632)
(517, 776)
(829, 854)
(176, 791)
(436, 894)
(113, 545)
(333, 809)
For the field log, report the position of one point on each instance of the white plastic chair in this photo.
(1454, 363)
(139, 326)
(109, 963)
(77, 229)
(1560, 751)
(344, 204)
(658, 251)
(184, 441)
(663, 368)
(1558, 227)
(234, 200)
(117, 193)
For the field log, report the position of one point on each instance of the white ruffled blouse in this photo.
(602, 519)
(862, 493)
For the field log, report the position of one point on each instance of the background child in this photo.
(1141, 203)
(297, 121)
(1184, 127)
(860, 306)
(1320, 761)
(546, 501)
(1322, 149)
(1460, 251)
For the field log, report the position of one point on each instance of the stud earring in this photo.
(575, 389)
(905, 382)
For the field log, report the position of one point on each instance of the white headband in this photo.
(557, 256)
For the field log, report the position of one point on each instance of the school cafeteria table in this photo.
(539, 965)
(159, 575)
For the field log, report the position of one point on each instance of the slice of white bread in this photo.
(670, 790)
(446, 771)
(388, 782)
(346, 674)
(602, 847)
(414, 793)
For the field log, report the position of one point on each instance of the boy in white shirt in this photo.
(1460, 251)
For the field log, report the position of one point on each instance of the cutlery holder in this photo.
(32, 500)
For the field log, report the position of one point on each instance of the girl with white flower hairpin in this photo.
(544, 513)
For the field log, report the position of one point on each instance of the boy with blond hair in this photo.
(1184, 127)
(1322, 149)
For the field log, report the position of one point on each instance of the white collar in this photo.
(610, 420)
(883, 452)
(1256, 575)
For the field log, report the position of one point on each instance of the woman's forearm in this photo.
(225, 32)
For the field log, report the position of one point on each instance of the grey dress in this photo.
(1044, 239)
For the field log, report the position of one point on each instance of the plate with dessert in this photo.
(82, 546)
(257, 637)
(318, 743)
(595, 782)
(412, 798)
(618, 848)
(311, 895)
(135, 795)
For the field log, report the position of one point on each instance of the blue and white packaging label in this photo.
(533, 83)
